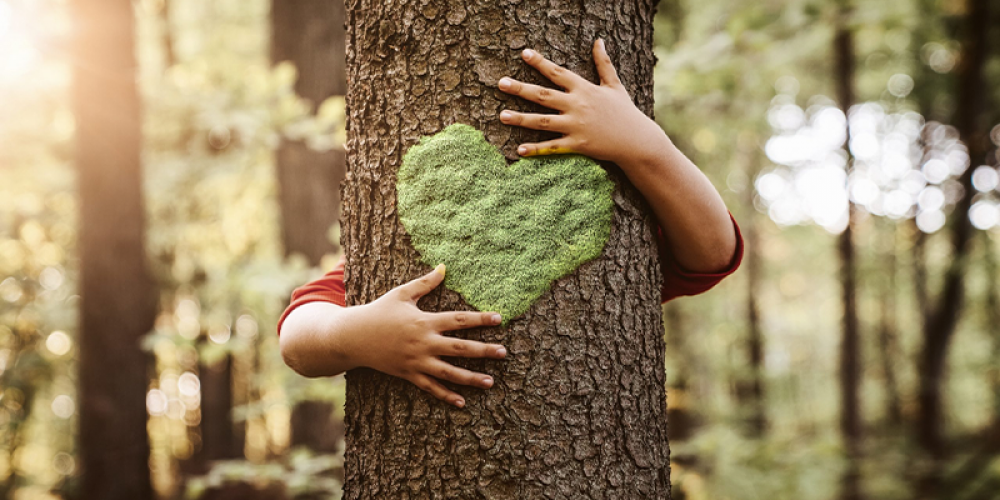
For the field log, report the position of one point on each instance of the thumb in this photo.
(421, 286)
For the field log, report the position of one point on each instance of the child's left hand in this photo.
(599, 121)
(602, 122)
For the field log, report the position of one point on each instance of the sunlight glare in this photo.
(985, 178)
(58, 343)
(4, 18)
(929, 222)
(984, 214)
(771, 185)
(864, 191)
(931, 199)
(936, 171)
(898, 203)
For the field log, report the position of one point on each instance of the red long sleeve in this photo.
(677, 281)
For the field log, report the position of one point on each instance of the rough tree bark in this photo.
(310, 34)
(578, 408)
(850, 344)
(118, 295)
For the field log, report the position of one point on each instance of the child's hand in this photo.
(401, 340)
(597, 121)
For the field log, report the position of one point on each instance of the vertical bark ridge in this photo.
(578, 408)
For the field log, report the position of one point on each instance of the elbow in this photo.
(290, 354)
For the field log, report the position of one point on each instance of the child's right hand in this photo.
(394, 336)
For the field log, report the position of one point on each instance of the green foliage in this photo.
(301, 475)
(504, 233)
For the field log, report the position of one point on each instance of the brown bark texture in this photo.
(118, 295)
(578, 407)
(310, 34)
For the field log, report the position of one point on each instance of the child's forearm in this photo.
(691, 211)
(312, 339)
(391, 335)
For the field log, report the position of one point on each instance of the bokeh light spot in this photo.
(58, 343)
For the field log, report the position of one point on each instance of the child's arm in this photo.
(601, 121)
(391, 335)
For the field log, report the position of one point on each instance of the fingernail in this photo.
(488, 382)
(459, 402)
(496, 319)
(504, 83)
(501, 352)
(601, 42)
(440, 269)
(522, 150)
(528, 53)
(505, 115)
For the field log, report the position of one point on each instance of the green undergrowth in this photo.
(504, 233)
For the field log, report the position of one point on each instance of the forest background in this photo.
(766, 398)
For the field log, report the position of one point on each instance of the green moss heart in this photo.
(504, 233)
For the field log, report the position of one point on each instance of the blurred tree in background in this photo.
(748, 90)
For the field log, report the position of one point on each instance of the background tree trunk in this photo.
(578, 409)
(752, 388)
(887, 335)
(310, 34)
(944, 312)
(850, 345)
(118, 296)
(219, 437)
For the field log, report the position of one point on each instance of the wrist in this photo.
(653, 152)
(346, 341)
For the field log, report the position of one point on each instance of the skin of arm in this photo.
(391, 335)
(602, 122)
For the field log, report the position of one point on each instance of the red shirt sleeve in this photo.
(677, 281)
(328, 288)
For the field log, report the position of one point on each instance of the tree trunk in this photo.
(219, 438)
(850, 345)
(887, 334)
(753, 389)
(118, 295)
(169, 49)
(683, 419)
(310, 34)
(944, 313)
(992, 316)
(578, 407)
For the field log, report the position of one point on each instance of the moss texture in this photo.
(504, 233)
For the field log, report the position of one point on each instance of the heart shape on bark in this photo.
(505, 233)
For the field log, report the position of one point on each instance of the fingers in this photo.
(428, 384)
(423, 285)
(605, 68)
(558, 74)
(558, 146)
(446, 371)
(450, 346)
(555, 99)
(460, 319)
(554, 123)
